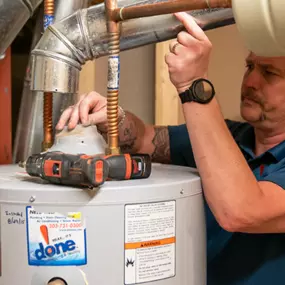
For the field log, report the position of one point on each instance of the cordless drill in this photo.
(87, 170)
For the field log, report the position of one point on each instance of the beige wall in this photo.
(227, 67)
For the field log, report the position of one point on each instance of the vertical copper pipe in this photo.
(120, 14)
(48, 96)
(113, 79)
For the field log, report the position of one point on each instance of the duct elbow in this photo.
(52, 72)
(58, 57)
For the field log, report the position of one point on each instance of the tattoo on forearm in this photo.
(160, 141)
(129, 137)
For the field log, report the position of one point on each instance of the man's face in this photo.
(263, 91)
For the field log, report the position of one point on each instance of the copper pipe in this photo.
(49, 7)
(48, 96)
(125, 13)
(48, 137)
(113, 79)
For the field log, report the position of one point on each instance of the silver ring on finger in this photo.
(174, 47)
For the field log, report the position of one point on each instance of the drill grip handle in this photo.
(126, 166)
(97, 170)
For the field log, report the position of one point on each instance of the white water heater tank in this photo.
(149, 231)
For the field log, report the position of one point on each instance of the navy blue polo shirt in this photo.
(240, 258)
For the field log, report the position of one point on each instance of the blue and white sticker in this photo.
(48, 20)
(54, 239)
(113, 72)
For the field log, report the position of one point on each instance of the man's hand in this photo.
(89, 110)
(189, 55)
(134, 135)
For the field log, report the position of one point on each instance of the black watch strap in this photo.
(187, 96)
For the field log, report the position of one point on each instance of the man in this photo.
(242, 165)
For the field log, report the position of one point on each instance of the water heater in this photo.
(149, 231)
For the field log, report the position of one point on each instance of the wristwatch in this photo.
(201, 91)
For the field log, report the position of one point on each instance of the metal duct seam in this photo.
(82, 20)
(59, 57)
(32, 5)
(77, 53)
(29, 5)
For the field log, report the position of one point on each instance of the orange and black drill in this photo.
(87, 170)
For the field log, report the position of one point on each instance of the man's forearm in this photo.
(229, 184)
(131, 133)
(135, 136)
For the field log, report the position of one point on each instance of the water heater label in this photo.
(55, 239)
(149, 242)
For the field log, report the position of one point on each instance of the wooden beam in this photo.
(87, 78)
(167, 105)
(5, 109)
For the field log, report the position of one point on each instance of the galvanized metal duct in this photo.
(68, 44)
(29, 133)
(13, 16)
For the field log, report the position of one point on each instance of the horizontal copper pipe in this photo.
(125, 13)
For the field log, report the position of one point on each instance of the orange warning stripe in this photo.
(128, 166)
(150, 243)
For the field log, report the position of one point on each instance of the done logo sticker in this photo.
(55, 239)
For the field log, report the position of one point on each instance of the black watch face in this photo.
(203, 90)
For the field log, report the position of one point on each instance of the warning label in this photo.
(149, 242)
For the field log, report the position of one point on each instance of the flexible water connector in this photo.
(113, 79)
(48, 96)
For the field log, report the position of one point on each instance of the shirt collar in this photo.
(278, 151)
(246, 140)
